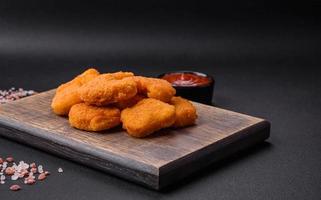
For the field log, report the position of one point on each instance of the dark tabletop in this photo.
(265, 64)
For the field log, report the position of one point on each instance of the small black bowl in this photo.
(199, 93)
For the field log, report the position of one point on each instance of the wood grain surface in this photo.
(156, 161)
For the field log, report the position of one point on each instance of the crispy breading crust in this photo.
(147, 104)
(67, 94)
(92, 118)
(147, 116)
(108, 88)
(185, 112)
(155, 88)
(129, 102)
(116, 75)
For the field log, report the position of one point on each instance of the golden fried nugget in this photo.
(155, 88)
(115, 76)
(120, 75)
(92, 118)
(147, 116)
(185, 112)
(106, 89)
(129, 102)
(67, 94)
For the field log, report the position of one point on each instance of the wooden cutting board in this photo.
(157, 161)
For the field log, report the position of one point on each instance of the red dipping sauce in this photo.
(191, 85)
(187, 79)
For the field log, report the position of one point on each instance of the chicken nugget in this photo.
(155, 88)
(115, 76)
(92, 118)
(119, 75)
(106, 89)
(147, 116)
(129, 102)
(185, 112)
(67, 93)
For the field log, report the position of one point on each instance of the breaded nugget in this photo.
(67, 94)
(120, 75)
(116, 75)
(92, 118)
(147, 116)
(185, 112)
(155, 88)
(106, 89)
(129, 102)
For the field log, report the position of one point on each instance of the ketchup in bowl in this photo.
(187, 79)
(194, 86)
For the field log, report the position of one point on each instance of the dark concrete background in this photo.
(265, 57)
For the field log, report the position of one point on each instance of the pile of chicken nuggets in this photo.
(97, 102)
